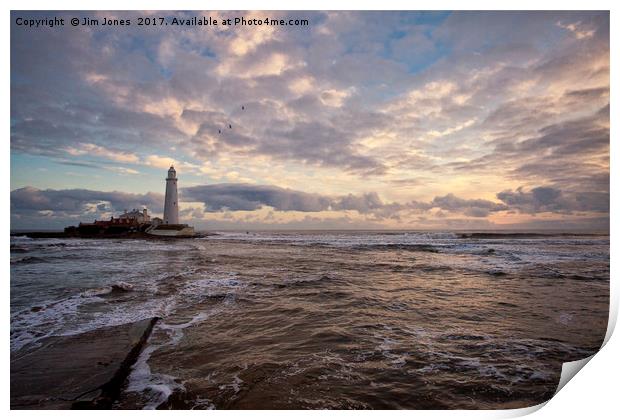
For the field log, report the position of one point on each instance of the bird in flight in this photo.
(230, 125)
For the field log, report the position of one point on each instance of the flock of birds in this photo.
(230, 125)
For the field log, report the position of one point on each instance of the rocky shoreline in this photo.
(124, 235)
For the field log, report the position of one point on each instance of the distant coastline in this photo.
(124, 235)
(497, 234)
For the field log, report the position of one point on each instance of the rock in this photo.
(79, 371)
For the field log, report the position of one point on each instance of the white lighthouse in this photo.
(170, 226)
(171, 203)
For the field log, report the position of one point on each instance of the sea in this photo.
(326, 319)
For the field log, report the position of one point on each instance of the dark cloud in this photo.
(318, 143)
(78, 164)
(473, 208)
(32, 204)
(534, 201)
(234, 197)
(365, 203)
(73, 202)
(549, 199)
(584, 94)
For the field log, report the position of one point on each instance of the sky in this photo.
(358, 120)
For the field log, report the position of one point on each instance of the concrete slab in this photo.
(81, 371)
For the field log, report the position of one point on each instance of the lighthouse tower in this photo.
(171, 204)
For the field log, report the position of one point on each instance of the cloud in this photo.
(74, 202)
(246, 197)
(317, 143)
(33, 205)
(122, 170)
(161, 162)
(474, 208)
(99, 151)
(235, 197)
(572, 155)
(578, 29)
(549, 199)
(377, 100)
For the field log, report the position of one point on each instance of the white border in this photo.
(311, 5)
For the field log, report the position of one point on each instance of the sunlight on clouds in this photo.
(432, 90)
(168, 106)
(99, 151)
(302, 85)
(579, 30)
(377, 140)
(122, 170)
(334, 97)
(161, 162)
(274, 64)
(247, 41)
(452, 130)
(164, 162)
(93, 78)
(234, 176)
(351, 109)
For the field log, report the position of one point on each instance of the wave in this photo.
(119, 287)
(26, 260)
(33, 324)
(158, 387)
(524, 235)
(399, 247)
(337, 239)
(65, 317)
(18, 249)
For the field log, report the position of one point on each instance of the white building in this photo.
(170, 227)
(171, 203)
(135, 214)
